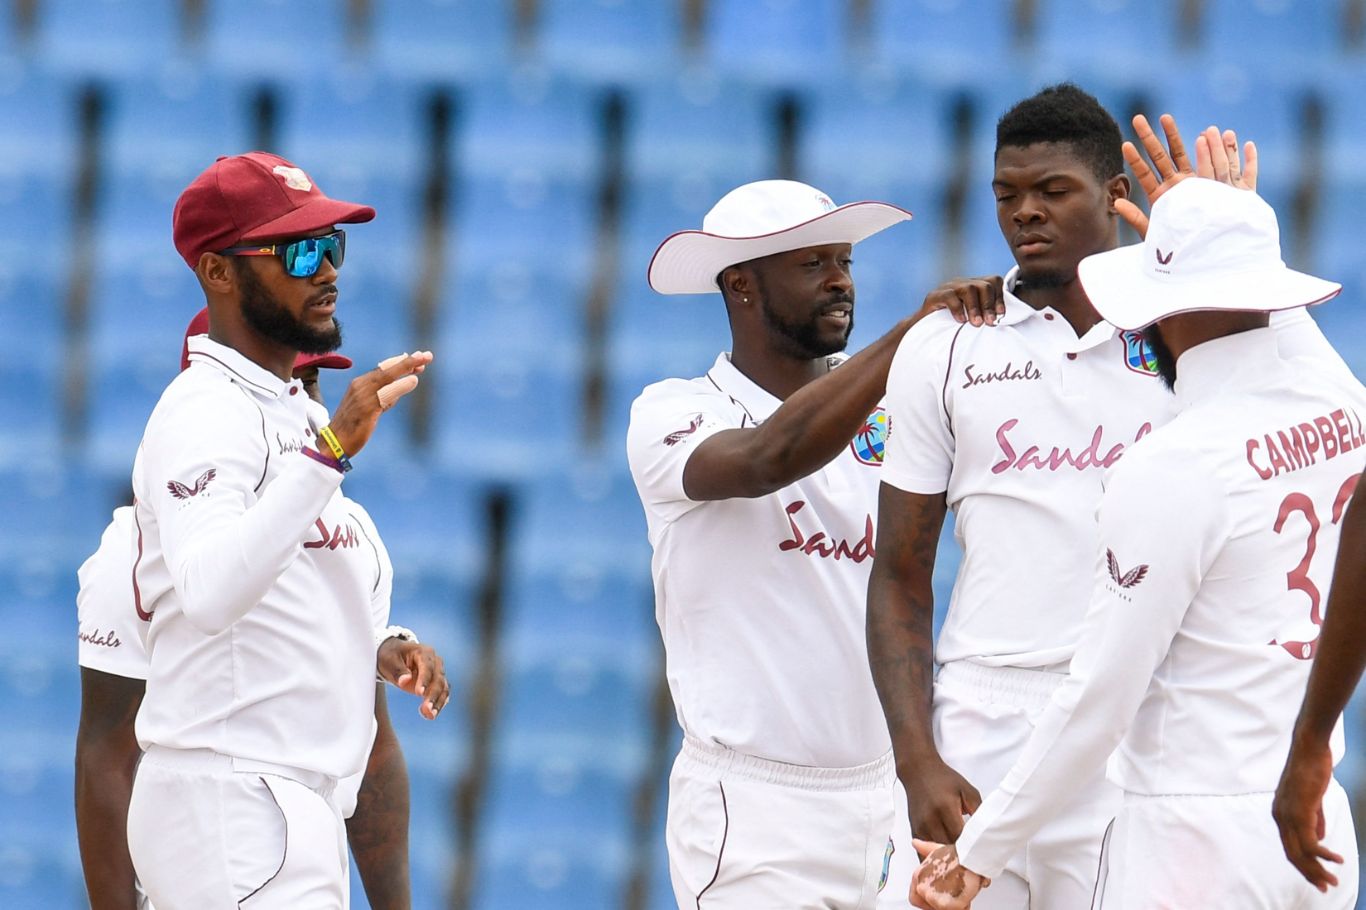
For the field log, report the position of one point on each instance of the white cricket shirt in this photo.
(1017, 423)
(1217, 541)
(109, 633)
(761, 601)
(257, 574)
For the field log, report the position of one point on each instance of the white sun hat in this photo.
(760, 219)
(1210, 246)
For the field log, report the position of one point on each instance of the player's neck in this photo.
(1068, 300)
(776, 374)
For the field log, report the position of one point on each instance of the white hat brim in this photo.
(1127, 296)
(689, 261)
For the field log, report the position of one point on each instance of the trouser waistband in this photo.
(1016, 687)
(704, 756)
(207, 760)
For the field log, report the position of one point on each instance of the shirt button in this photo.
(1048, 316)
(1071, 356)
(294, 390)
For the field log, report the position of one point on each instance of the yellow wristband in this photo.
(333, 444)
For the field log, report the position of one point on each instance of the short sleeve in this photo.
(109, 632)
(920, 446)
(668, 422)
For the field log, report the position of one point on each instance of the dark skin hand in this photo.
(107, 756)
(822, 409)
(1338, 665)
(416, 669)
(901, 654)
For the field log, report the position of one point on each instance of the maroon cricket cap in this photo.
(241, 198)
(199, 325)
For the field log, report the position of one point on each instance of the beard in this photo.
(803, 339)
(1044, 278)
(264, 313)
(1166, 363)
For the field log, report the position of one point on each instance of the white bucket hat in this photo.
(1210, 246)
(760, 219)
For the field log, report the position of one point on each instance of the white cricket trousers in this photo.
(983, 716)
(207, 831)
(750, 834)
(1218, 853)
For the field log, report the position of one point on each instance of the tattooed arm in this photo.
(378, 829)
(901, 652)
(106, 758)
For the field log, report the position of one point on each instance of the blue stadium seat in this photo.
(48, 107)
(527, 125)
(432, 845)
(32, 311)
(168, 126)
(354, 121)
(38, 603)
(108, 38)
(1289, 37)
(43, 691)
(950, 42)
(777, 41)
(506, 228)
(425, 40)
(523, 310)
(868, 138)
(1091, 35)
(59, 506)
(696, 127)
(1240, 98)
(30, 409)
(501, 419)
(610, 39)
(429, 519)
(277, 39)
(579, 510)
(35, 879)
(554, 835)
(1344, 127)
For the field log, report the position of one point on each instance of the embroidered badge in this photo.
(678, 436)
(1129, 579)
(1137, 355)
(870, 443)
(180, 491)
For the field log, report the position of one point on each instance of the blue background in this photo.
(525, 159)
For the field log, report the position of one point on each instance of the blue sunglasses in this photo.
(302, 258)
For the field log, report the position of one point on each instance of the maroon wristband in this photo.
(323, 459)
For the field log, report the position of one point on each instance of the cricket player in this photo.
(1307, 791)
(113, 664)
(1013, 426)
(1217, 534)
(758, 481)
(255, 575)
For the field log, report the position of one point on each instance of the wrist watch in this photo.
(402, 633)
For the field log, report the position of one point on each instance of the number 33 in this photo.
(1298, 578)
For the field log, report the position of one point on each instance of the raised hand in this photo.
(372, 394)
(1216, 158)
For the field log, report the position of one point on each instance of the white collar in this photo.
(1217, 364)
(234, 364)
(756, 401)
